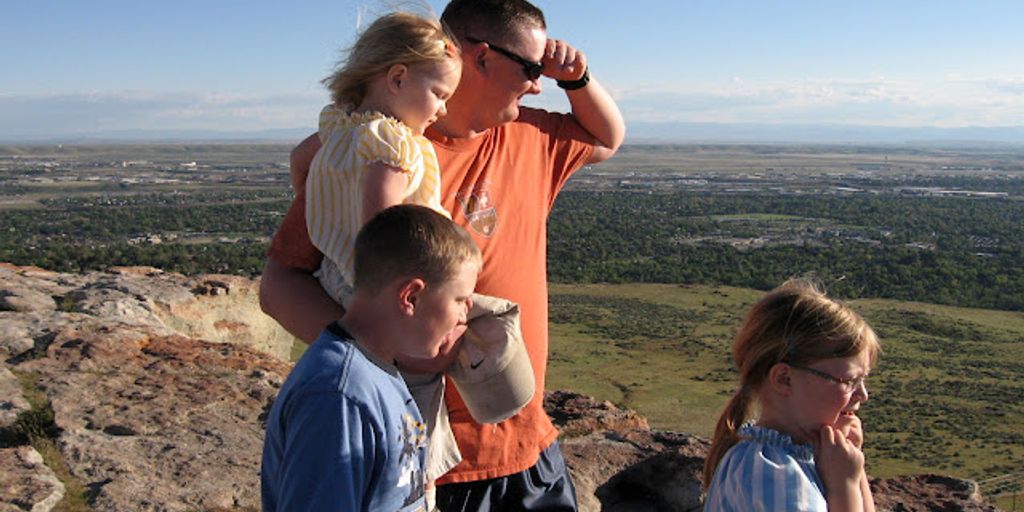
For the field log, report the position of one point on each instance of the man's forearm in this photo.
(597, 112)
(300, 159)
(296, 300)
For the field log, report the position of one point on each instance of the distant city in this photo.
(638, 132)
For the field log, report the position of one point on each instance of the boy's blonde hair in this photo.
(409, 241)
(395, 38)
(797, 324)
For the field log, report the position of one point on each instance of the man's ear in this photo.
(396, 75)
(409, 294)
(780, 379)
(479, 55)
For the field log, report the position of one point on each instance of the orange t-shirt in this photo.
(500, 186)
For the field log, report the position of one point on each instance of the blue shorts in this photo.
(545, 486)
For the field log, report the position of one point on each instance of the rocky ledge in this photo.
(152, 388)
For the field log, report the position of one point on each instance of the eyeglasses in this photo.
(847, 385)
(532, 69)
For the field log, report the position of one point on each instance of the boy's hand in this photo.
(452, 342)
(562, 61)
(852, 429)
(446, 355)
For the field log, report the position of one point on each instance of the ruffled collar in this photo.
(345, 116)
(767, 436)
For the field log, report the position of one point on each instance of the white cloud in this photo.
(944, 102)
(87, 113)
(952, 101)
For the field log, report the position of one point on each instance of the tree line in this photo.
(958, 251)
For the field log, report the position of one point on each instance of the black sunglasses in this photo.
(532, 69)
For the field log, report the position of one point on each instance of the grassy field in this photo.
(947, 396)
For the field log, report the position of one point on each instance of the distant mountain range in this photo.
(818, 133)
(638, 132)
(281, 135)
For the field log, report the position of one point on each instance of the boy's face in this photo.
(439, 309)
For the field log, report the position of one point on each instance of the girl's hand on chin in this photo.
(838, 461)
(850, 426)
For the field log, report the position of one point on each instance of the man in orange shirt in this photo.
(502, 166)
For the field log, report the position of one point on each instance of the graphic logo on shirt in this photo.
(476, 205)
(414, 441)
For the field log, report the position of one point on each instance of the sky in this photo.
(70, 67)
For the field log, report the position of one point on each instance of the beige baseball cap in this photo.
(492, 371)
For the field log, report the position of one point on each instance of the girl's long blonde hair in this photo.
(795, 323)
(395, 38)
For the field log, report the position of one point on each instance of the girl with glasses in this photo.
(803, 358)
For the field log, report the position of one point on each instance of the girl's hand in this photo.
(840, 464)
(852, 429)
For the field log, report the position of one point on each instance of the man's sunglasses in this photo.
(532, 69)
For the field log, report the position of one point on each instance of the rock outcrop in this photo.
(36, 304)
(159, 385)
(926, 493)
(159, 422)
(26, 483)
(619, 464)
(12, 400)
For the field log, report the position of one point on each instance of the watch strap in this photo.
(579, 83)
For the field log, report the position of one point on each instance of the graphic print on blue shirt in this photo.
(414, 441)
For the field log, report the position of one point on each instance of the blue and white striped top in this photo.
(766, 471)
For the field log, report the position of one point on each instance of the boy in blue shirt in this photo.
(344, 433)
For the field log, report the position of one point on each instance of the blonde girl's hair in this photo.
(395, 38)
(795, 323)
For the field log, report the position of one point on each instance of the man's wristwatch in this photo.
(579, 83)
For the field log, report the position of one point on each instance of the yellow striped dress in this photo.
(350, 142)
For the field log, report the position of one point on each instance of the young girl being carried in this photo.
(373, 155)
(804, 359)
